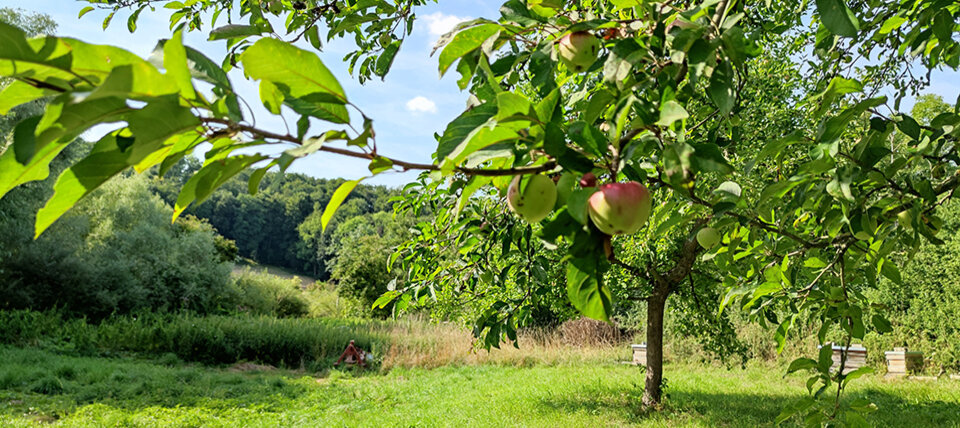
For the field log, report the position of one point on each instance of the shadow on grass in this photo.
(32, 379)
(718, 409)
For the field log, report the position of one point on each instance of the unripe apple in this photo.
(532, 199)
(708, 237)
(275, 6)
(578, 51)
(588, 180)
(619, 208)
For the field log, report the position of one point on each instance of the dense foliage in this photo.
(280, 224)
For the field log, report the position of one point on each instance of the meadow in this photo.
(543, 384)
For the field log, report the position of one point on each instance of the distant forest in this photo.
(280, 224)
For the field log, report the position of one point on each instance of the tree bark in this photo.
(656, 304)
(663, 285)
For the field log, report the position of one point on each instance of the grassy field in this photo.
(39, 387)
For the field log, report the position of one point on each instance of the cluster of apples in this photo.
(615, 208)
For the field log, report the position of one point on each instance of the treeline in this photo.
(280, 224)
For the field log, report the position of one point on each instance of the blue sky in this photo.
(408, 108)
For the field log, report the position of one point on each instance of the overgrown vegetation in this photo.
(294, 343)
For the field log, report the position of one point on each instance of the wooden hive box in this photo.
(856, 357)
(639, 354)
(901, 361)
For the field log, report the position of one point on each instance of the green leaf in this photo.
(909, 126)
(890, 271)
(881, 324)
(596, 106)
(510, 104)
(385, 299)
(722, 91)
(480, 138)
(309, 87)
(132, 20)
(577, 203)
(585, 288)
(61, 123)
(59, 62)
(801, 364)
(380, 164)
(893, 23)
(464, 42)
(336, 200)
(825, 358)
(25, 139)
(175, 64)
(233, 31)
(270, 96)
(708, 158)
(670, 112)
(857, 373)
(213, 175)
(138, 81)
(838, 18)
(17, 93)
(105, 161)
(728, 191)
(84, 11)
(385, 61)
(463, 126)
(150, 128)
(781, 335)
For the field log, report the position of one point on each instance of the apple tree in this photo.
(646, 97)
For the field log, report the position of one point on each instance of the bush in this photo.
(262, 293)
(116, 253)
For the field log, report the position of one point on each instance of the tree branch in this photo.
(406, 166)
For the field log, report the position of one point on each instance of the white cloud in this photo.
(440, 23)
(422, 104)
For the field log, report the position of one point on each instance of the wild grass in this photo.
(38, 387)
(312, 344)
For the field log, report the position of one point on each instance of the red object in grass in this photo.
(352, 356)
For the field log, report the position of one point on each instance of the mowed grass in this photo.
(38, 388)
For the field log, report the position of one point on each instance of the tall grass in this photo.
(295, 343)
(417, 343)
(308, 343)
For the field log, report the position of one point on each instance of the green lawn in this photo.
(38, 387)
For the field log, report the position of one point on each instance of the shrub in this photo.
(262, 293)
(116, 253)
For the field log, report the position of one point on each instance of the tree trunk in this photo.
(656, 304)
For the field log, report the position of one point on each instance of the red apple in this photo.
(588, 180)
(619, 208)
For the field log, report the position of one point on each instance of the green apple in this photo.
(708, 237)
(578, 50)
(532, 198)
